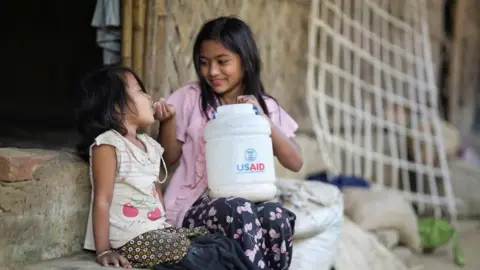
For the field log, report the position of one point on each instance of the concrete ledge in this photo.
(45, 217)
(81, 260)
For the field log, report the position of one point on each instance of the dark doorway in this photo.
(48, 47)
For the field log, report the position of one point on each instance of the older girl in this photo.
(227, 64)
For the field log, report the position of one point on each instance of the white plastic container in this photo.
(239, 154)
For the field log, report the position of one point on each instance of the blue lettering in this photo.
(243, 167)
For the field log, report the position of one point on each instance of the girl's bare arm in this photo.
(104, 164)
(158, 187)
(167, 137)
(286, 149)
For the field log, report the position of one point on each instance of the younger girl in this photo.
(228, 68)
(127, 224)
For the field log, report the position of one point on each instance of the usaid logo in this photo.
(250, 155)
(250, 166)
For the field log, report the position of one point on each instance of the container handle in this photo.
(255, 109)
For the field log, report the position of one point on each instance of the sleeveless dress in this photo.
(138, 227)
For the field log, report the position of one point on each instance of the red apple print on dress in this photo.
(130, 210)
(154, 215)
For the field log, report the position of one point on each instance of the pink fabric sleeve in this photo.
(181, 100)
(281, 118)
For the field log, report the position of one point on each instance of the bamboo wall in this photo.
(143, 40)
(280, 28)
(159, 35)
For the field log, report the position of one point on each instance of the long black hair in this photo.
(103, 100)
(236, 36)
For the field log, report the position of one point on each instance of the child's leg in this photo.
(168, 245)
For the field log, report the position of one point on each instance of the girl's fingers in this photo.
(247, 99)
(116, 263)
(243, 100)
(159, 111)
(169, 110)
(165, 110)
(124, 262)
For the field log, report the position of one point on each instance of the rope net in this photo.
(372, 98)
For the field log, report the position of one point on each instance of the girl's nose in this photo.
(213, 70)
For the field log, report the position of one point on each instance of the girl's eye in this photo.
(222, 62)
(203, 63)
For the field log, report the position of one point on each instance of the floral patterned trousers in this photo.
(263, 230)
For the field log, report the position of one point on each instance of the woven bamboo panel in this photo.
(280, 28)
(343, 58)
(395, 35)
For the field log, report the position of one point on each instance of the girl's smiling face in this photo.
(140, 105)
(220, 67)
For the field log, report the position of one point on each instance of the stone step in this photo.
(44, 202)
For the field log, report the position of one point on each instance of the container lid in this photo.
(236, 119)
(234, 109)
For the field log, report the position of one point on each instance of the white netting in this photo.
(373, 100)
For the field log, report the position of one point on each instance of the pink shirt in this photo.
(189, 180)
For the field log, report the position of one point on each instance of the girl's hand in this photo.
(113, 258)
(252, 100)
(163, 111)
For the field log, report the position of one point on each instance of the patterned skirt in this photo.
(167, 245)
(263, 230)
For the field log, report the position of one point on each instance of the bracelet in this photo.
(103, 253)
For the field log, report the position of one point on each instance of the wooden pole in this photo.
(157, 55)
(160, 76)
(139, 12)
(150, 53)
(126, 50)
(150, 45)
(454, 80)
